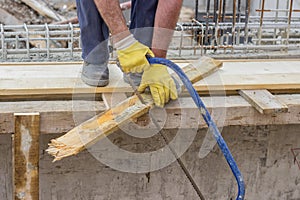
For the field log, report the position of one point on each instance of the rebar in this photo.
(216, 31)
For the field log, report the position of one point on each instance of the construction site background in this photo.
(268, 155)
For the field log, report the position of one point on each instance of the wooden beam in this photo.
(31, 81)
(98, 127)
(43, 9)
(26, 156)
(112, 99)
(104, 124)
(57, 117)
(263, 101)
(234, 76)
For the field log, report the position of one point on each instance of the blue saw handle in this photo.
(209, 121)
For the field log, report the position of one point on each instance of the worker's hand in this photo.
(161, 84)
(132, 55)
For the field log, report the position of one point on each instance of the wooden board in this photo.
(55, 116)
(59, 117)
(26, 156)
(43, 9)
(52, 80)
(234, 76)
(263, 101)
(55, 79)
(100, 126)
(112, 99)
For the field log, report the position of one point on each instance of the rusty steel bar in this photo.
(196, 9)
(2, 41)
(239, 11)
(224, 10)
(220, 11)
(216, 10)
(247, 13)
(239, 21)
(277, 10)
(223, 13)
(289, 22)
(216, 13)
(216, 32)
(276, 20)
(202, 35)
(207, 21)
(233, 21)
(261, 21)
(219, 21)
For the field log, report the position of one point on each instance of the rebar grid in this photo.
(217, 33)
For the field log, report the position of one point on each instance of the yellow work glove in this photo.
(132, 55)
(161, 84)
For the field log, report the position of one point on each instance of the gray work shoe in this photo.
(135, 77)
(95, 74)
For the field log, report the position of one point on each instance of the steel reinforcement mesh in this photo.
(236, 33)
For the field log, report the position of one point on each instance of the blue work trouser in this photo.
(95, 33)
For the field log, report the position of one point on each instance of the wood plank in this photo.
(263, 101)
(55, 116)
(60, 79)
(42, 8)
(26, 156)
(63, 79)
(234, 76)
(98, 127)
(59, 117)
(112, 99)
(104, 124)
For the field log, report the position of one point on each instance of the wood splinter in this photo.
(100, 126)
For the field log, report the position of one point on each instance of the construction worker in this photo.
(98, 18)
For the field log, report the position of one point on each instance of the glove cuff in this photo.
(125, 42)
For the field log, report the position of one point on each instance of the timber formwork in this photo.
(47, 98)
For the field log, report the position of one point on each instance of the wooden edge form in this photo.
(100, 126)
(112, 99)
(26, 156)
(91, 131)
(263, 101)
(202, 68)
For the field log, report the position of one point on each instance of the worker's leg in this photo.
(142, 19)
(94, 43)
(141, 26)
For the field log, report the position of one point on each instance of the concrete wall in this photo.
(5, 167)
(263, 154)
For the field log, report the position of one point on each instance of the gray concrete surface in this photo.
(263, 154)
